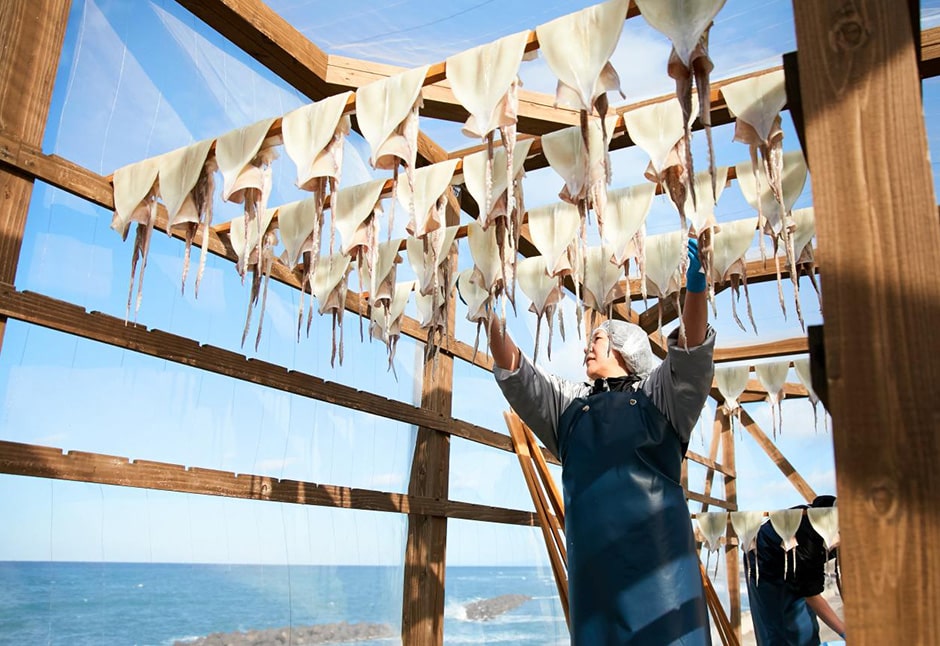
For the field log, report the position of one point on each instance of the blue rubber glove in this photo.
(694, 276)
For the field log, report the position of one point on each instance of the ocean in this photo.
(159, 604)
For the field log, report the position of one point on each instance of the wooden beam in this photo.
(774, 454)
(79, 466)
(31, 35)
(873, 195)
(422, 622)
(723, 422)
(716, 502)
(765, 350)
(73, 319)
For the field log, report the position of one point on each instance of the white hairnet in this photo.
(632, 343)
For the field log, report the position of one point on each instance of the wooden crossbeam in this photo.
(80, 466)
(72, 319)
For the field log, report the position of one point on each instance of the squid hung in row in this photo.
(485, 81)
(314, 136)
(578, 48)
(330, 282)
(489, 270)
(187, 185)
(298, 223)
(385, 319)
(729, 246)
(356, 212)
(506, 217)
(774, 216)
(387, 112)
(686, 23)
(245, 164)
(428, 197)
(772, 377)
(602, 283)
(545, 293)
(553, 230)
(625, 232)
(731, 382)
(430, 260)
(712, 525)
(258, 259)
(135, 200)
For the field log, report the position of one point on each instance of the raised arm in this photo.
(695, 310)
(502, 347)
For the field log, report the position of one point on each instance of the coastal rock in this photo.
(487, 609)
(317, 634)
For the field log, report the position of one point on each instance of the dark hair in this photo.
(824, 501)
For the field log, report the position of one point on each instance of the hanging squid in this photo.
(356, 211)
(658, 129)
(803, 373)
(385, 320)
(712, 524)
(702, 216)
(259, 260)
(577, 48)
(785, 522)
(625, 230)
(602, 283)
(329, 288)
(387, 112)
(430, 259)
(772, 377)
(485, 81)
(488, 267)
(730, 243)
(187, 186)
(313, 139)
(382, 296)
(135, 200)
(664, 255)
(495, 192)
(245, 164)
(298, 224)
(553, 230)
(545, 293)
(746, 524)
(476, 299)
(774, 216)
(731, 382)
(686, 24)
(804, 222)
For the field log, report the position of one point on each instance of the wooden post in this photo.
(879, 258)
(31, 35)
(422, 622)
(723, 422)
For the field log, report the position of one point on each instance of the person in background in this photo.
(784, 608)
(633, 570)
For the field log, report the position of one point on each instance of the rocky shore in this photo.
(340, 632)
(487, 609)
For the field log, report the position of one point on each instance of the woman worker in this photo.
(633, 569)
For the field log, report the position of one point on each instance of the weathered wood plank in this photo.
(873, 195)
(72, 319)
(731, 495)
(31, 35)
(783, 347)
(80, 466)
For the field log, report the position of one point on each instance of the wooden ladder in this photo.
(550, 509)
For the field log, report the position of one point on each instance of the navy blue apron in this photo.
(633, 571)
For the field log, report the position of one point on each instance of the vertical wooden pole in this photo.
(723, 422)
(31, 35)
(422, 621)
(879, 259)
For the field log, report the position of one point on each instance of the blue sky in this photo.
(139, 79)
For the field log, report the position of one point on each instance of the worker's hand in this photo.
(694, 276)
